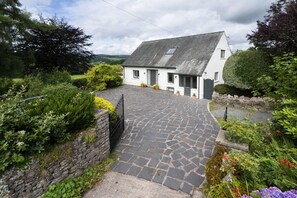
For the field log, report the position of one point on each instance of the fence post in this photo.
(123, 106)
(226, 114)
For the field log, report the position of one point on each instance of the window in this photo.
(170, 78)
(136, 74)
(171, 51)
(194, 84)
(188, 81)
(216, 76)
(181, 81)
(223, 53)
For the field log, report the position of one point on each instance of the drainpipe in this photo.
(198, 88)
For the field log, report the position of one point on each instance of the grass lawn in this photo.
(73, 77)
(16, 80)
(79, 76)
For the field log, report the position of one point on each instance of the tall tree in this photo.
(14, 24)
(61, 48)
(277, 34)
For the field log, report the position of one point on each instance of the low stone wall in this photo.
(90, 147)
(261, 104)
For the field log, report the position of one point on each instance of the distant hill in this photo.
(109, 59)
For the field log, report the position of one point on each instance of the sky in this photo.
(119, 26)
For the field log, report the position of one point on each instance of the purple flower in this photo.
(274, 192)
(290, 194)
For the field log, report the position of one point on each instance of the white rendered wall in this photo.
(130, 80)
(216, 64)
(162, 76)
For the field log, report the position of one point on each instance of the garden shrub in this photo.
(78, 106)
(242, 69)
(253, 134)
(227, 89)
(23, 134)
(287, 117)
(103, 76)
(57, 77)
(101, 103)
(213, 173)
(34, 85)
(5, 84)
(81, 83)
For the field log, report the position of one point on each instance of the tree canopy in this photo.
(60, 48)
(242, 69)
(13, 26)
(277, 33)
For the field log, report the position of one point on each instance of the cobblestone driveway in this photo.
(168, 139)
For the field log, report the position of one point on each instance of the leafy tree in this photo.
(61, 48)
(278, 32)
(281, 85)
(282, 80)
(242, 69)
(13, 26)
(104, 76)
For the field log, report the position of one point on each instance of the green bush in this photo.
(5, 85)
(103, 76)
(253, 134)
(23, 134)
(78, 106)
(242, 69)
(34, 85)
(57, 77)
(81, 83)
(227, 89)
(287, 117)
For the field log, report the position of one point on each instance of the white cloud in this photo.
(117, 32)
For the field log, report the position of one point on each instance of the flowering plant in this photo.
(273, 192)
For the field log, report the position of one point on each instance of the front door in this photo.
(153, 77)
(187, 86)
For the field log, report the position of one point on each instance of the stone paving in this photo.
(168, 138)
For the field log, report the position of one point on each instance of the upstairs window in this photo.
(170, 78)
(216, 76)
(223, 53)
(171, 51)
(136, 74)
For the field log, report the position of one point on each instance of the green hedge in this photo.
(226, 89)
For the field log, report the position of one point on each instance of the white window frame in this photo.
(216, 76)
(134, 74)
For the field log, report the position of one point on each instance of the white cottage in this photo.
(190, 65)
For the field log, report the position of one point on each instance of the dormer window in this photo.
(171, 51)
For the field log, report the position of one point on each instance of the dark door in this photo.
(208, 88)
(153, 77)
(187, 86)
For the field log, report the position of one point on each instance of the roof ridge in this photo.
(149, 41)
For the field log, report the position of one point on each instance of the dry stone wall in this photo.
(90, 147)
(261, 104)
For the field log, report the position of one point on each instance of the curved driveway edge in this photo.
(168, 138)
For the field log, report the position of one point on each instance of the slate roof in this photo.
(191, 56)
